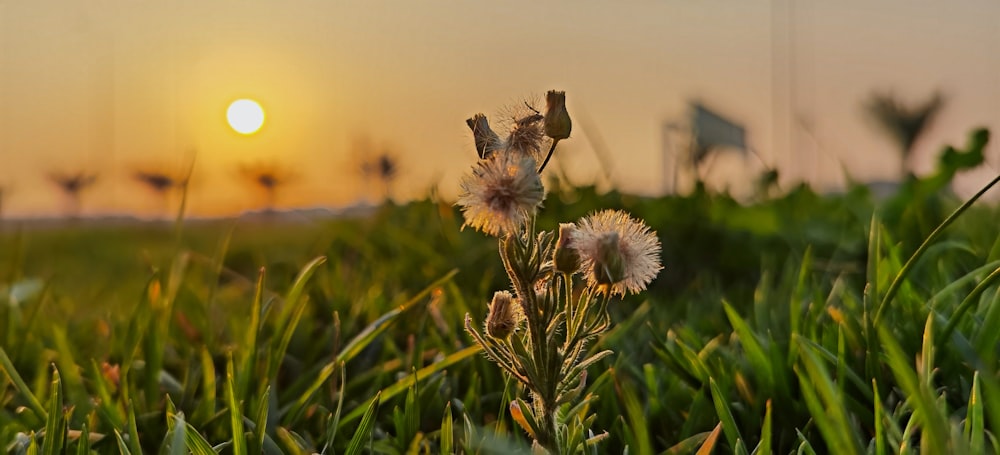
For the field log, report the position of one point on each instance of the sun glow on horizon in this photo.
(245, 116)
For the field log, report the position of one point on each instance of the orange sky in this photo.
(112, 86)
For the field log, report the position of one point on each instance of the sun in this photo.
(245, 116)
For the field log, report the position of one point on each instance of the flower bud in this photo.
(566, 258)
(609, 265)
(487, 141)
(503, 315)
(557, 122)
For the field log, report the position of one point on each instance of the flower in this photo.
(487, 141)
(617, 251)
(501, 193)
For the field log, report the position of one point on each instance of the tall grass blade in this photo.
(447, 439)
(55, 425)
(425, 372)
(935, 433)
(235, 412)
(709, 446)
(363, 434)
(729, 426)
(974, 426)
(898, 281)
(22, 388)
(764, 446)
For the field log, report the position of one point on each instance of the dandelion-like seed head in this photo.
(524, 127)
(501, 193)
(527, 137)
(617, 251)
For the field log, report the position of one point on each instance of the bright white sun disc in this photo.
(245, 116)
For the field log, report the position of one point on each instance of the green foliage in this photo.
(801, 324)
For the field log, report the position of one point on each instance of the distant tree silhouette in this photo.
(72, 185)
(160, 183)
(378, 164)
(384, 169)
(905, 124)
(268, 177)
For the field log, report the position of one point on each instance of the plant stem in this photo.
(551, 149)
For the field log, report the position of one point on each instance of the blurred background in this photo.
(107, 106)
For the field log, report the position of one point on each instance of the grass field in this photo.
(797, 324)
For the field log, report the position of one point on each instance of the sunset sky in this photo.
(113, 86)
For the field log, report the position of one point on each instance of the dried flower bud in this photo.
(487, 141)
(609, 265)
(557, 121)
(566, 258)
(504, 315)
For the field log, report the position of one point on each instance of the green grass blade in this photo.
(974, 426)
(235, 413)
(55, 425)
(122, 446)
(133, 428)
(331, 429)
(249, 364)
(880, 438)
(363, 339)
(901, 276)
(967, 303)
(756, 354)
(178, 436)
(207, 399)
(363, 434)
(260, 422)
(447, 439)
(197, 443)
(764, 446)
(826, 403)
(707, 447)
(22, 388)
(729, 427)
(425, 372)
(298, 286)
(935, 432)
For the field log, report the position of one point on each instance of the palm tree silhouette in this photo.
(377, 164)
(905, 124)
(268, 177)
(160, 183)
(72, 185)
